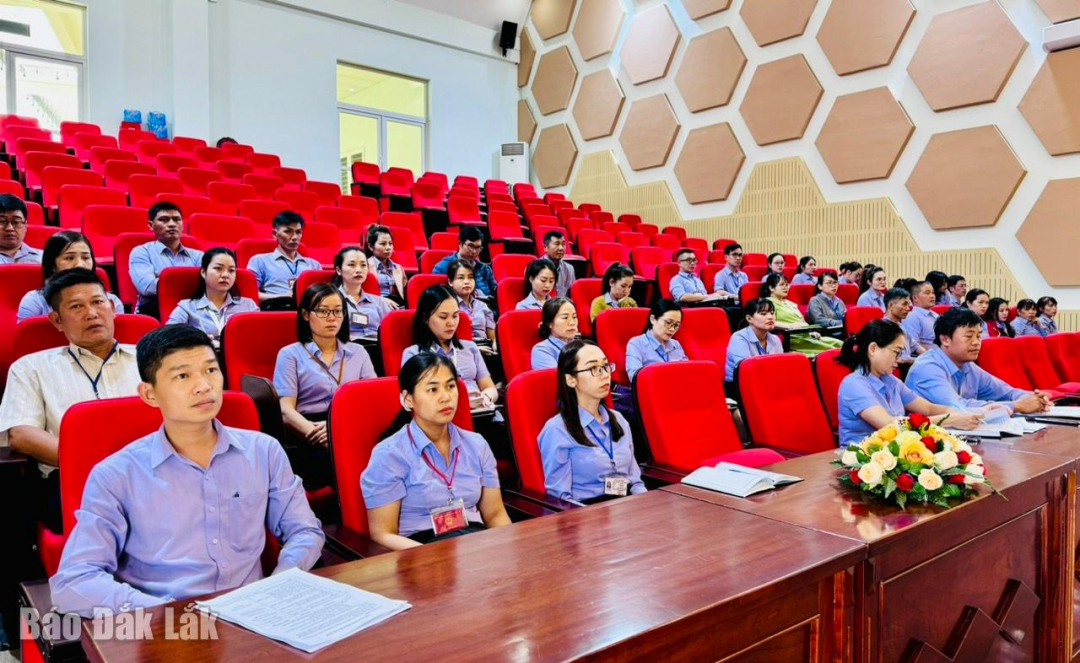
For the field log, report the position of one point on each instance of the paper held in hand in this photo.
(303, 610)
(737, 480)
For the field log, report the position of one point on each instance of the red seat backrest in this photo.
(395, 334)
(118, 174)
(185, 145)
(170, 164)
(511, 290)
(404, 249)
(411, 221)
(102, 224)
(251, 341)
(507, 265)
(304, 202)
(34, 163)
(18, 280)
(418, 283)
(603, 254)
(665, 241)
(705, 334)
(531, 402)
(38, 333)
(1035, 360)
(462, 209)
(53, 178)
(517, 334)
(1064, 349)
(829, 373)
(366, 173)
(294, 177)
(504, 225)
(614, 329)
(262, 212)
(149, 150)
(1001, 358)
(369, 207)
(675, 231)
(857, 317)
(195, 180)
(786, 417)
(75, 198)
(144, 189)
(582, 293)
(632, 240)
(941, 308)
(432, 257)
(230, 193)
(231, 171)
(847, 292)
(265, 185)
(801, 293)
(349, 222)
(646, 260)
(179, 283)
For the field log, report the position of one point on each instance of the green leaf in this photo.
(901, 499)
(863, 458)
(894, 448)
(951, 490)
(890, 486)
(938, 497)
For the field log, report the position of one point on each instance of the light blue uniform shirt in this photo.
(919, 325)
(530, 303)
(743, 344)
(860, 391)
(948, 299)
(480, 317)
(686, 283)
(937, 379)
(804, 279)
(872, 298)
(397, 472)
(730, 282)
(1028, 327)
(384, 273)
(545, 354)
(468, 360)
(911, 344)
(203, 315)
(301, 374)
(576, 472)
(33, 304)
(1049, 324)
(646, 350)
(24, 255)
(276, 274)
(156, 527)
(371, 306)
(148, 261)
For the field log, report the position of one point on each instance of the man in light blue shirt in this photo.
(731, 278)
(13, 251)
(919, 324)
(897, 308)
(947, 374)
(555, 251)
(686, 286)
(147, 261)
(184, 511)
(278, 270)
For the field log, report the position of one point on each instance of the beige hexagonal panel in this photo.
(965, 178)
(554, 82)
(1060, 10)
(857, 35)
(709, 163)
(702, 8)
(649, 132)
(597, 26)
(966, 56)
(554, 156)
(528, 57)
(650, 45)
(526, 122)
(771, 21)
(551, 18)
(598, 104)
(1052, 103)
(864, 135)
(781, 100)
(1051, 235)
(710, 70)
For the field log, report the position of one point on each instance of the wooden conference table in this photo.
(811, 572)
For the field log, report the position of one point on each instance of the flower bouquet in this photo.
(913, 460)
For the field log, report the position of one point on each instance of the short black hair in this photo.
(61, 281)
(312, 297)
(893, 294)
(680, 252)
(470, 234)
(974, 294)
(732, 248)
(758, 305)
(954, 279)
(1025, 304)
(1043, 302)
(855, 352)
(553, 234)
(658, 309)
(616, 271)
(953, 319)
(163, 206)
(549, 312)
(152, 349)
(12, 203)
(226, 140)
(287, 218)
(55, 247)
(917, 285)
(537, 266)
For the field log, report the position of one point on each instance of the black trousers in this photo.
(311, 462)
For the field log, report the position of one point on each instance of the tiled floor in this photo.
(8, 657)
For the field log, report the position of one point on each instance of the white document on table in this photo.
(737, 480)
(1063, 412)
(303, 610)
(1015, 426)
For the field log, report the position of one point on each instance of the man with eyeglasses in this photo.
(686, 286)
(470, 244)
(731, 278)
(12, 231)
(277, 272)
(148, 261)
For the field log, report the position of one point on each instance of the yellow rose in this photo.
(871, 444)
(907, 437)
(888, 433)
(916, 452)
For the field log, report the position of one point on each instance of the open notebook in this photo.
(737, 480)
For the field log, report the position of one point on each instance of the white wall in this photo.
(264, 72)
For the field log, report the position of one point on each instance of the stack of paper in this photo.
(1015, 426)
(1063, 412)
(736, 480)
(303, 610)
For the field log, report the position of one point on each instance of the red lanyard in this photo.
(453, 471)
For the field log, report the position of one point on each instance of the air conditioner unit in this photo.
(1061, 36)
(514, 163)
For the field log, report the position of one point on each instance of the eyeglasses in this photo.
(473, 246)
(671, 324)
(324, 313)
(597, 371)
(690, 261)
(14, 223)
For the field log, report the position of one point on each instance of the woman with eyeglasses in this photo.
(586, 449)
(657, 341)
(774, 264)
(558, 326)
(872, 397)
(64, 250)
(788, 316)
(216, 299)
(309, 372)
(755, 339)
(825, 308)
(364, 310)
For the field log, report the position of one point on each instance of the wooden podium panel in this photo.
(942, 585)
(650, 577)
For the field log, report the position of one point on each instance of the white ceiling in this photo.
(485, 13)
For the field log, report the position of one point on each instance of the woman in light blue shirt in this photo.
(558, 326)
(586, 449)
(875, 284)
(1027, 322)
(364, 310)
(804, 274)
(427, 473)
(216, 300)
(461, 277)
(657, 342)
(872, 397)
(391, 276)
(1048, 308)
(64, 250)
(755, 338)
(540, 276)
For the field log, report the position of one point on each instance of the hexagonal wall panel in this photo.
(857, 35)
(780, 100)
(528, 57)
(1051, 235)
(965, 178)
(710, 70)
(702, 8)
(864, 135)
(966, 56)
(708, 164)
(1060, 10)
(526, 122)
(554, 82)
(1052, 103)
(551, 18)
(649, 132)
(598, 104)
(650, 45)
(771, 21)
(554, 156)
(597, 26)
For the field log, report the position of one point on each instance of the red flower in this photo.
(905, 482)
(956, 478)
(917, 420)
(930, 444)
(854, 475)
(963, 457)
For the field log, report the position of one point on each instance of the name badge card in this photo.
(358, 319)
(449, 518)
(617, 485)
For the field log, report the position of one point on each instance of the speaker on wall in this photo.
(508, 36)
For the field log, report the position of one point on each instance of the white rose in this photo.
(945, 460)
(870, 474)
(976, 459)
(884, 458)
(906, 437)
(974, 469)
(930, 480)
(961, 446)
(849, 458)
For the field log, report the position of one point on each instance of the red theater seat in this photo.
(251, 341)
(787, 418)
